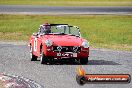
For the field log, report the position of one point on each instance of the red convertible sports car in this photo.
(58, 42)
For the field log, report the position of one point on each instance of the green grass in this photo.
(107, 31)
(68, 2)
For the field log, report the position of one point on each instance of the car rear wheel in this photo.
(43, 58)
(83, 61)
(32, 57)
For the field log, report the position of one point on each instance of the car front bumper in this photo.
(67, 54)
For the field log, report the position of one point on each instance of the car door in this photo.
(37, 43)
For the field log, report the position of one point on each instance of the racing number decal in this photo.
(35, 44)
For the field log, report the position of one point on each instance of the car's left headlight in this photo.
(85, 44)
(48, 43)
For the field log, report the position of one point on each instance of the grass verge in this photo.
(107, 31)
(68, 2)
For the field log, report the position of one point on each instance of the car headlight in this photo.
(85, 44)
(48, 43)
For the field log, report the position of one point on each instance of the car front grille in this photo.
(74, 49)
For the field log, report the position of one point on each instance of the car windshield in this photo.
(65, 29)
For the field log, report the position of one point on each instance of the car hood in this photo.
(65, 40)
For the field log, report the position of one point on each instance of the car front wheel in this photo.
(43, 58)
(32, 57)
(83, 61)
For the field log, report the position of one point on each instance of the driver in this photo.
(45, 28)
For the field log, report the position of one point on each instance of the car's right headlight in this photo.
(48, 43)
(85, 44)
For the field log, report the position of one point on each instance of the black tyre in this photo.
(83, 61)
(43, 58)
(32, 57)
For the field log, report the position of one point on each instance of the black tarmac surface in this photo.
(56, 10)
(15, 59)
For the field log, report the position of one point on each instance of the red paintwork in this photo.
(61, 40)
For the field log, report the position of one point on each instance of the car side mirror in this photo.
(35, 34)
